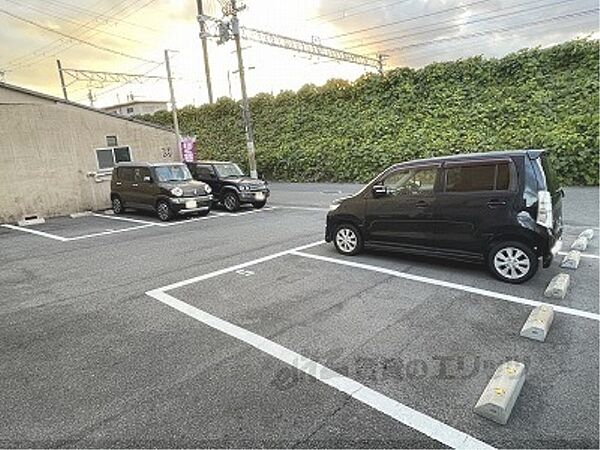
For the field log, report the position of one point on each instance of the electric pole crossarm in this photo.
(115, 77)
(277, 40)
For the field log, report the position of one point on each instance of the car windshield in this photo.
(229, 170)
(172, 173)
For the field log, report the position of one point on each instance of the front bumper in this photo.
(190, 205)
(254, 196)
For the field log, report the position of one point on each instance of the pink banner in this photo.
(188, 149)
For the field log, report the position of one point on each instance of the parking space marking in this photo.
(216, 273)
(303, 208)
(105, 233)
(449, 284)
(400, 412)
(39, 233)
(216, 215)
(583, 255)
(124, 219)
(145, 224)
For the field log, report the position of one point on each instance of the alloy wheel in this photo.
(163, 211)
(346, 240)
(117, 206)
(512, 263)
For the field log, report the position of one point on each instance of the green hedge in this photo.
(349, 131)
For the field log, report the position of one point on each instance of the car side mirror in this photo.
(379, 191)
(147, 179)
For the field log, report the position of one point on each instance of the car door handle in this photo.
(422, 204)
(119, 183)
(496, 203)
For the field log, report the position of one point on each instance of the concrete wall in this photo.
(47, 155)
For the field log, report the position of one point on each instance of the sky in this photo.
(131, 35)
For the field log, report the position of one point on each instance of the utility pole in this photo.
(246, 116)
(62, 79)
(205, 50)
(173, 104)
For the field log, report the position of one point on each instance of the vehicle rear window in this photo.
(478, 178)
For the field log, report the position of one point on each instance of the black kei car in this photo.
(230, 186)
(167, 188)
(501, 208)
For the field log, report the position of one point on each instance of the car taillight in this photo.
(544, 212)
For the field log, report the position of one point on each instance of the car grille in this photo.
(188, 192)
(257, 187)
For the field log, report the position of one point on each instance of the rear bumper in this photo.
(555, 246)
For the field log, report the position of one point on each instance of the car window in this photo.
(411, 181)
(172, 173)
(204, 171)
(478, 178)
(140, 173)
(229, 170)
(470, 178)
(126, 173)
(503, 178)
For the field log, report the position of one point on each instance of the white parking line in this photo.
(580, 227)
(402, 413)
(303, 208)
(145, 224)
(106, 233)
(216, 273)
(216, 215)
(448, 284)
(125, 219)
(583, 255)
(39, 233)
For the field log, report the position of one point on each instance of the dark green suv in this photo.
(167, 189)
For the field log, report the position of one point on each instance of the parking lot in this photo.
(247, 330)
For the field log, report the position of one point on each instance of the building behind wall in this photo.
(56, 156)
(136, 108)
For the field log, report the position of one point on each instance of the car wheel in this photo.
(512, 262)
(117, 205)
(163, 210)
(231, 202)
(259, 205)
(347, 240)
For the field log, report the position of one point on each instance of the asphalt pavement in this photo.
(95, 354)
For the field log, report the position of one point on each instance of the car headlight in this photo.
(207, 189)
(244, 187)
(177, 191)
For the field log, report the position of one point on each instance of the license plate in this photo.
(260, 196)
(191, 204)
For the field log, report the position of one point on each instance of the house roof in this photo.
(54, 99)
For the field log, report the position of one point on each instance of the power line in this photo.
(498, 30)
(78, 24)
(25, 60)
(396, 22)
(73, 38)
(346, 16)
(97, 14)
(469, 22)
